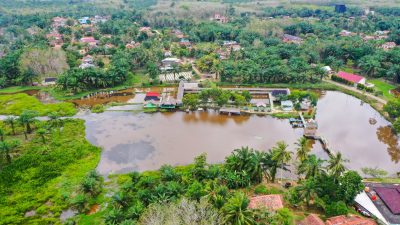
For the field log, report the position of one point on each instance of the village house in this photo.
(87, 62)
(55, 38)
(100, 19)
(287, 105)
(185, 42)
(59, 22)
(168, 63)
(346, 33)
(313, 219)
(388, 45)
(219, 18)
(269, 202)
(88, 59)
(84, 20)
(152, 96)
(380, 200)
(349, 220)
(327, 69)
(167, 53)
(178, 34)
(146, 30)
(89, 40)
(132, 45)
(287, 38)
(49, 81)
(353, 78)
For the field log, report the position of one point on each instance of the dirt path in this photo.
(380, 100)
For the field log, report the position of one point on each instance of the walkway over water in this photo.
(321, 139)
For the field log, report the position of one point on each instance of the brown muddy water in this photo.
(122, 96)
(135, 141)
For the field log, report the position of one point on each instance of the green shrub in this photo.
(336, 209)
(15, 104)
(341, 80)
(97, 109)
(261, 189)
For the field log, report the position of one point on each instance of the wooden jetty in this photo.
(229, 111)
(310, 132)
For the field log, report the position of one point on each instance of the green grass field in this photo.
(384, 87)
(15, 104)
(15, 89)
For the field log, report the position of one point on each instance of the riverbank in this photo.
(323, 85)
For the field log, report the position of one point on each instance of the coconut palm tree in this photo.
(6, 147)
(10, 120)
(308, 190)
(236, 212)
(42, 133)
(311, 167)
(281, 154)
(302, 149)
(336, 165)
(26, 119)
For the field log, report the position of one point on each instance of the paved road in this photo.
(383, 101)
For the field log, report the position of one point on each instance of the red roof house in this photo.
(354, 78)
(270, 202)
(349, 220)
(312, 219)
(90, 40)
(152, 96)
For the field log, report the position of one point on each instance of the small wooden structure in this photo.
(229, 111)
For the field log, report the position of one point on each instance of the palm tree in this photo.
(2, 133)
(307, 190)
(281, 155)
(11, 121)
(7, 146)
(336, 164)
(26, 119)
(236, 212)
(302, 149)
(42, 133)
(55, 119)
(311, 167)
(248, 160)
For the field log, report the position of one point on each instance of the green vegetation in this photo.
(15, 89)
(44, 177)
(98, 109)
(17, 103)
(384, 87)
(221, 191)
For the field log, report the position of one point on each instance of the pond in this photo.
(135, 141)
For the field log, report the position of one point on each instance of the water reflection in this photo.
(385, 135)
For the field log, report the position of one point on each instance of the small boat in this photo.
(200, 109)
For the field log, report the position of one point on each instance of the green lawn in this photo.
(383, 86)
(10, 90)
(15, 104)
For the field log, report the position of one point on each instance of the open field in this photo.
(383, 86)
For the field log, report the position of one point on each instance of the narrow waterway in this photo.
(139, 141)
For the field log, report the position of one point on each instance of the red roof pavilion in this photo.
(350, 77)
